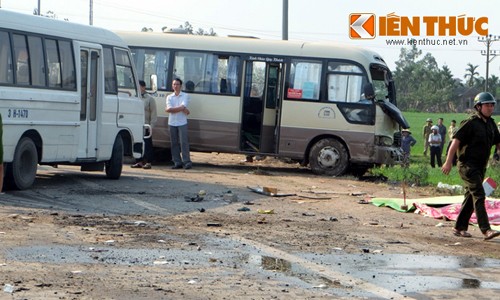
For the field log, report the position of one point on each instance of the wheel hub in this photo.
(328, 157)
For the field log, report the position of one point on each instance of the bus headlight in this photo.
(383, 140)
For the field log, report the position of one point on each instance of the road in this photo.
(79, 235)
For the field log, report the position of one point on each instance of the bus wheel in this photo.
(115, 163)
(328, 157)
(21, 172)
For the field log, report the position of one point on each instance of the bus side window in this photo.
(211, 73)
(305, 80)
(68, 72)
(5, 59)
(53, 63)
(21, 59)
(109, 72)
(345, 83)
(124, 72)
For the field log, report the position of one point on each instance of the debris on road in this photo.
(214, 224)
(269, 191)
(196, 198)
(229, 196)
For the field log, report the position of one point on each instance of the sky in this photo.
(308, 20)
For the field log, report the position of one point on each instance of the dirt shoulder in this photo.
(323, 217)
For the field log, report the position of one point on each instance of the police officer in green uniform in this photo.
(473, 141)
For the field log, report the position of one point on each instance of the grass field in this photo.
(420, 171)
(417, 122)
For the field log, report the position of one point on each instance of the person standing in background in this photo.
(435, 145)
(451, 132)
(177, 109)
(472, 143)
(150, 117)
(426, 132)
(407, 141)
(442, 133)
(452, 129)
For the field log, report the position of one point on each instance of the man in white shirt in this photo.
(177, 108)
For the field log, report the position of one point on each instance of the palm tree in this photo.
(471, 74)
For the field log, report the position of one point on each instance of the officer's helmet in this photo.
(483, 98)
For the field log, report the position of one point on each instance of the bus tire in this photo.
(115, 164)
(21, 172)
(328, 157)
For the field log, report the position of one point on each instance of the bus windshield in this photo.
(382, 83)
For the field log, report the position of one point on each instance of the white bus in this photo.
(329, 106)
(68, 95)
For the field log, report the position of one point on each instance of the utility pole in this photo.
(38, 7)
(91, 13)
(487, 40)
(284, 29)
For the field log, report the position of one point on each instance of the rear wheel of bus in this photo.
(115, 164)
(328, 157)
(21, 172)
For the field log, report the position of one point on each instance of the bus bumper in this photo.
(388, 155)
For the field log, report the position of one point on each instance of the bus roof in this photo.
(48, 26)
(249, 45)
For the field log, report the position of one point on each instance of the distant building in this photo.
(466, 98)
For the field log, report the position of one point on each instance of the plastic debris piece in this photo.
(8, 288)
(266, 211)
(456, 189)
(243, 209)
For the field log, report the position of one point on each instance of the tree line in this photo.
(422, 86)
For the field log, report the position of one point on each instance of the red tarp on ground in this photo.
(450, 212)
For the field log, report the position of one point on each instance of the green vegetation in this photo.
(417, 122)
(421, 85)
(420, 172)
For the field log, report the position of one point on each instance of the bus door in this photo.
(90, 96)
(260, 109)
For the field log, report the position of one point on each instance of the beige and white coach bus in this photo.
(329, 106)
(68, 95)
